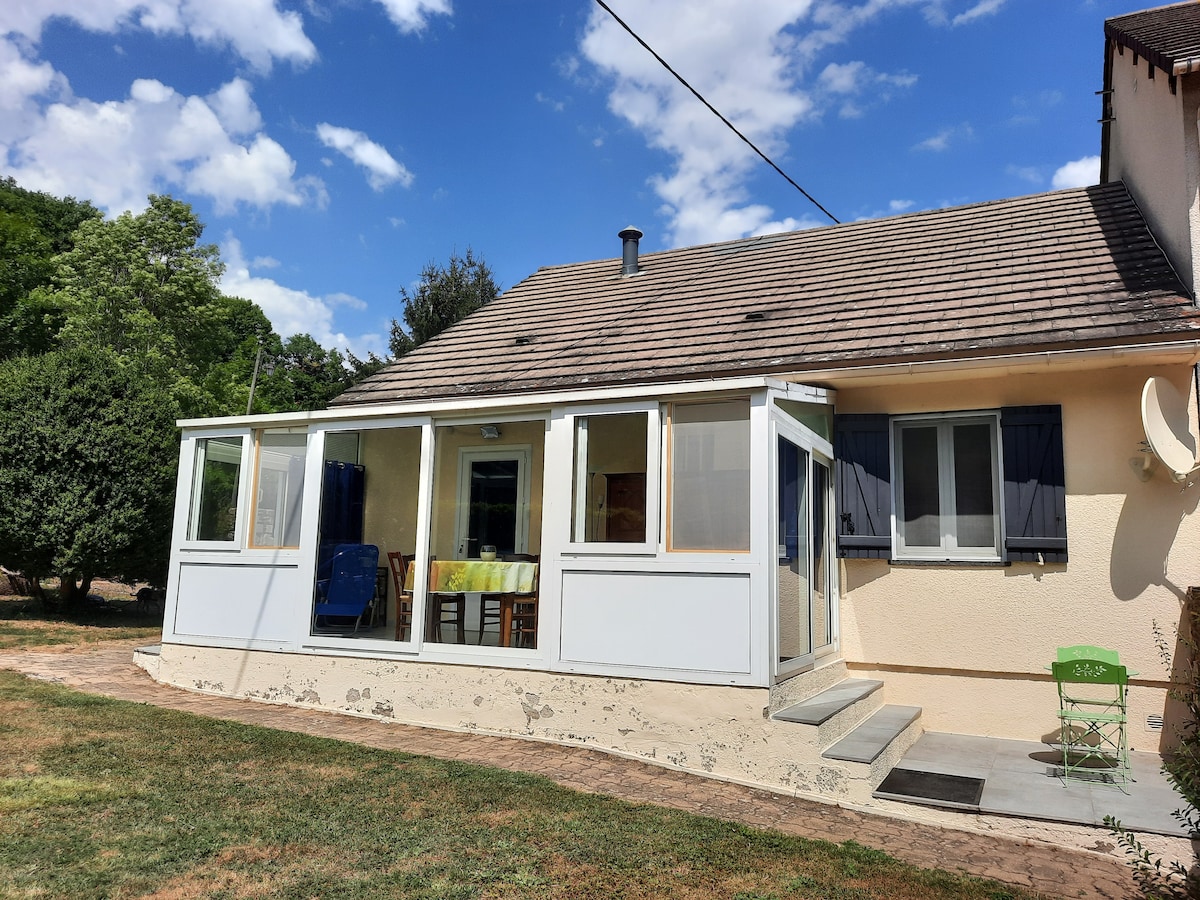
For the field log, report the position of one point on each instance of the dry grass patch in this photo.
(25, 622)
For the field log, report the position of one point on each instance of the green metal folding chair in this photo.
(1086, 651)
(1092, 719)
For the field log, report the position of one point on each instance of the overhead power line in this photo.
(714, 110)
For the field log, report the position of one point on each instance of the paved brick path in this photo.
(1055, 871)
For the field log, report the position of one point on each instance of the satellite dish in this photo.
(1165, 419)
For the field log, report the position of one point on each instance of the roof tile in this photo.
(1071, 268)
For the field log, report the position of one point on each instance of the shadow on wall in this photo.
(1146, 530)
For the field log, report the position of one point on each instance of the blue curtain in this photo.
(342, 491)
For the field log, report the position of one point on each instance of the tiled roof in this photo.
(1069, 269)
(1169, 37)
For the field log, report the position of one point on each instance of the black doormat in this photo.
(957, 789)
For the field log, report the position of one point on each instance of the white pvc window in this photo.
(216, 483)
(278, 489)
(610, 498)
(709, 471)
(947, 487)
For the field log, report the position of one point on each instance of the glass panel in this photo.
(710, 476)
(920, 524)
(609, 499)
(215, 496)
(387, 519)
(974, 504)
(822, 596)
(487, 491)
(792, 554)
(280, 489)
(492, 519)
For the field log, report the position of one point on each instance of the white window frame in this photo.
(243, 491)
(257, 436)
(523, 454)
(577, 490)
(949, 549)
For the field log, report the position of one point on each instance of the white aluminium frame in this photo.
(573, 416)
(190, 458)
(819, 452)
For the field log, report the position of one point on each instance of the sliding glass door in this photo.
(806, 596)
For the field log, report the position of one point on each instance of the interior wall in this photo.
(392, 459)
(448, 440)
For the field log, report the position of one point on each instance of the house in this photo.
(895, 462)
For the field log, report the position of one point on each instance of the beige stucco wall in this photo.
(1155, 149)
(970, 645)
(722, 731)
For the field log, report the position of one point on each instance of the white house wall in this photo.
(1154, 148)
(722, 731)
(970, 645)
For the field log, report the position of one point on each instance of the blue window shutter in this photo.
(1035, 492)
(864, 486)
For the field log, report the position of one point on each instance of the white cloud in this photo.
(22, 82)
(117, 152)
(264, 262)
(1031, 174)
(1079, 173)
(256, 30)
(844, 83)
(936, 14)
(753, 68)
(980, 10)
(413, 15)
(382, 169)
(294, 311)
(556, 105)
(951, 134)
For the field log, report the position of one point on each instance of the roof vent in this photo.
(629, 250)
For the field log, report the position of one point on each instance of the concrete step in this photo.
(868, 741)
(834, 711)
(824, 706)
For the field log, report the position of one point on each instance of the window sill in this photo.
(950, 563)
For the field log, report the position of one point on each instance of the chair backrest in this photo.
(399, 563)
(1086, 651)
(352, 579)
(1089, 671)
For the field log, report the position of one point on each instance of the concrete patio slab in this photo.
(1021, 778)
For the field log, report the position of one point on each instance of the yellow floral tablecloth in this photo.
(448, 576)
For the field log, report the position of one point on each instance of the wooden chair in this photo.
(525, 608)
(445, 609)
(404, 598)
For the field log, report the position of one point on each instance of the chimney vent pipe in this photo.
(629, 250)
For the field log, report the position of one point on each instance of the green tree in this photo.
(145, 287)
(88, 452)
(33, 228)
(444, 295)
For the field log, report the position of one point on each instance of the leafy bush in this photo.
(1175, 880)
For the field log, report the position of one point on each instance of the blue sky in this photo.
(333, 147)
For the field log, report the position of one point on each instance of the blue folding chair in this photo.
(348, 591)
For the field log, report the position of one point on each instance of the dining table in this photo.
(512, 581)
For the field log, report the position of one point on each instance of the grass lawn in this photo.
(105, 798)
(25, 623)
